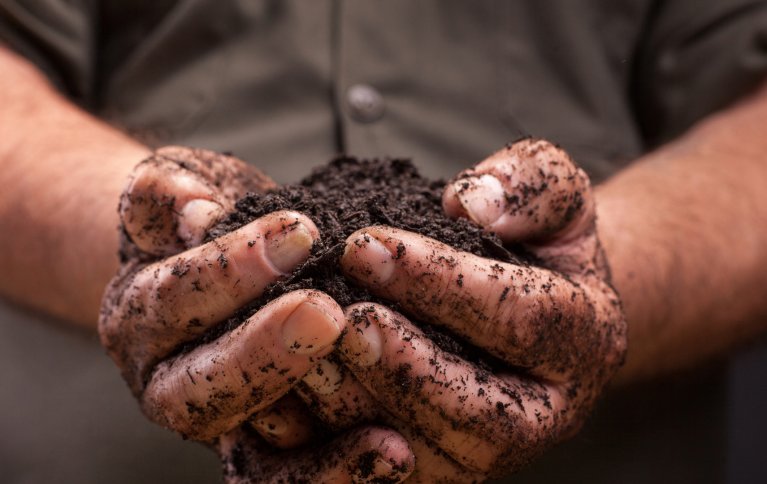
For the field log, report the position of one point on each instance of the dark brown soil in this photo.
(348, 194)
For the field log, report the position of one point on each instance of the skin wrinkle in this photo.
(493, 296)
(447, 273)
(520, 335)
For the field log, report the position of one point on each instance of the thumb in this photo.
(531, 193)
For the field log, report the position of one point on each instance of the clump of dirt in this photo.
(348, 194)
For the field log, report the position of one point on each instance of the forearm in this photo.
(685, 230)
(62, 174)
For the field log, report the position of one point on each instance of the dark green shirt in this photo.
(286, 84)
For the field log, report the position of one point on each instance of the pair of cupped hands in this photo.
(392, 404)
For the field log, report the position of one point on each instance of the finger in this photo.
(166, 207)
(216, 386)
(480, 420)
(178, 193)
(531, 192)
(528, 191)
(432, 464)
(178, 299)
(371, 454)
(285, 424)
(529, 317)
(335, 396)
(340, 401)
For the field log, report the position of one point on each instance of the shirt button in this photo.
(366, 105)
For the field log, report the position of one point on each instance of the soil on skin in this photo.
(348, 194)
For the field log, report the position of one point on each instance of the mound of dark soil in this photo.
(348, 194)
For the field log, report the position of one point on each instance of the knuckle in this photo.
(160, 287)
(517, 310)
(121, 304)
(617, 346)
(167, 403)
(611, 325)
(146, 302)
(446, 280)
(108, 329)
(510, 331)
(163, 410)
(120, 331)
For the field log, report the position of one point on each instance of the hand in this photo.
(172, 292)
(156, 305)
(558, 327)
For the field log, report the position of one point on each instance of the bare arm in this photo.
(685, 230)
(62, 172)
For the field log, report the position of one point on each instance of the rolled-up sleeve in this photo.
(697, 57)
(56, 35)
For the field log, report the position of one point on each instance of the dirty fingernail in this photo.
(381, 467)
(195, 218)
(482, 197)
(288, 249)
(364, 342)
(325, 378)
(271, 423)
(371, 260)
(309, 329)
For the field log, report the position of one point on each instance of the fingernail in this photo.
(364, 342)
(271, 423)
(195, 218)
(309, 329)
(288, 249)
(325, 378)
(381, 467)
(482, 197)
(372, 261)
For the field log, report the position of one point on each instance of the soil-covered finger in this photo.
(216, 386)
(156, 196)
(527, 316)
(178, 193)
(365, 455)
(432, 463)
(335, 396)
(285, 424)
(480, 420)
(179, 299)
(532, 193)
(527, 192)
